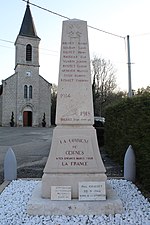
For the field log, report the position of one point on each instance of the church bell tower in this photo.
(27, 45)
(27, 72)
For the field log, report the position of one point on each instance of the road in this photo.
(30, 145)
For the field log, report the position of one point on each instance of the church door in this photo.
(27, 119)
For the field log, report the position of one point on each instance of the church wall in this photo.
(45, 101)
(0, 110)
(33, 103)
(9, 100)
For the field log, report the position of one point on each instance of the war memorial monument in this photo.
(74, 180)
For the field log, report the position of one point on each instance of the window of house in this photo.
(25, 91)
(28, 52)
(30, 91)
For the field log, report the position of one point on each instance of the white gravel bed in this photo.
(14, 199)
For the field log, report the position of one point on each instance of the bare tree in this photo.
(104, 82)
(53, 103)
(143, 91)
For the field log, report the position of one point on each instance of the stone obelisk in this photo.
(74, 155)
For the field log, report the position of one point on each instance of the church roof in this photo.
(27, 28)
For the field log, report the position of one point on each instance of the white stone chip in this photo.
(14, 199)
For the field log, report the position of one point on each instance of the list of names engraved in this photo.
(74, 67)
(74, 92)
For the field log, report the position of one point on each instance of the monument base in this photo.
(72, 180)
(74, 157)
(40, 206)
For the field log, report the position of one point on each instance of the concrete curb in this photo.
(4, 185)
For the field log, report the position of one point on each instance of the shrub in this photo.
(128, 123)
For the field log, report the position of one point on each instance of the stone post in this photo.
(10, 166)
(130, 165)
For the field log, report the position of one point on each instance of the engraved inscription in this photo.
(75, 152)
(60, 193)
(75, 77)
(77, 67)
(91, 191)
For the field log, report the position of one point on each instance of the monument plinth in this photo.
(74, 156)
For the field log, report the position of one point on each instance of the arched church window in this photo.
(30, 91)
(28, 52)
(25, 91)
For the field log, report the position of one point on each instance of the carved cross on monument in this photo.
(74, 155)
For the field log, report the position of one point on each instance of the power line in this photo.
(65, 17)
(7, 41)
(3, 46)
(106, 32)
(57, 14)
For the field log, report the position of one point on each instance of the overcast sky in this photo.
(120, 17)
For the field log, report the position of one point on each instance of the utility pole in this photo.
(129, 69)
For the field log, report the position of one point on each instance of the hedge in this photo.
(128, 123)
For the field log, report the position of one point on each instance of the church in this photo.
(25, 97)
